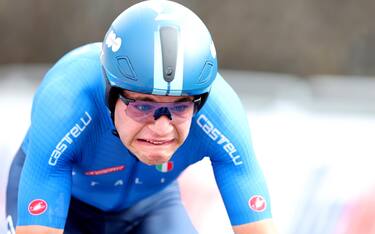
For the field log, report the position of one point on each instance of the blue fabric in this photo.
(159, 213)
(162, 212)
(71, 150)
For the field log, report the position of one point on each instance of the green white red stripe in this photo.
(165, 167)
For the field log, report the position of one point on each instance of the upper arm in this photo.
(260, 227)
(58, 121)
(237, 171)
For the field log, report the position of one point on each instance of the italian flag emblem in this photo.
(165, 167)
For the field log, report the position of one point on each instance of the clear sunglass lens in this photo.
(181, 108)
(144, 108)
(143, 111)
(140, 110)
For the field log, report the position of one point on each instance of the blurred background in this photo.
(304, 70)
(301, 37)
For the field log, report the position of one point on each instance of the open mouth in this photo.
(155, 142)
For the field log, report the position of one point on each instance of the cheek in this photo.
(125, 126)
(183, 130)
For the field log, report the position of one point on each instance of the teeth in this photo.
(155, 142)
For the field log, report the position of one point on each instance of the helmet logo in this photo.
(113, 41)
(257, 203)
(169, 71)
(37, 207)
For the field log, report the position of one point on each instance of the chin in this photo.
(154, 159)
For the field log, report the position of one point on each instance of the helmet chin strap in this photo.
(111, 97)
(162, 111)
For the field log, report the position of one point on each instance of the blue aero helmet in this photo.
(158, 47)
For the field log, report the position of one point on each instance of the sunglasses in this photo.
(149, 111)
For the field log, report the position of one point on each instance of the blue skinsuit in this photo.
(71, 150)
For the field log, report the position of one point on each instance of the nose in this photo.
(162, 111)
(161, 126)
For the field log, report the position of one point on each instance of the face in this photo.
(152, 142)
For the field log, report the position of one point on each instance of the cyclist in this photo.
(113, 125)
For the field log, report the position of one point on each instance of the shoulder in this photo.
(69, 100)
(223, 107)
(85, 52)
(223, 97)
(77, 65)
(221, 125)
(76, 75)
(72, 87)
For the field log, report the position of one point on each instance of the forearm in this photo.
(261, 227)
(36, 229)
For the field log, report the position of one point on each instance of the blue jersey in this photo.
(71, 150)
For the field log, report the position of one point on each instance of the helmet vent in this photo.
(206, 73)
(126, 68)
(169, 47)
